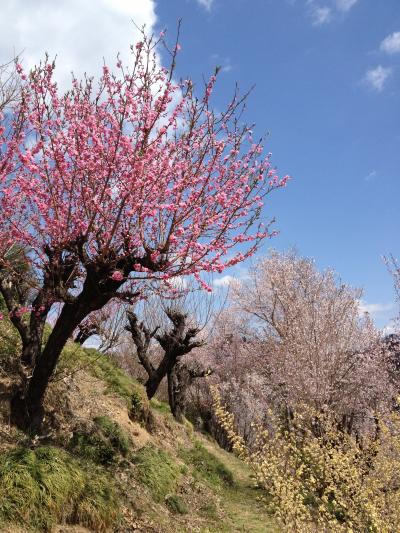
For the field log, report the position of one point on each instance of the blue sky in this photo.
(328, 92)
(327, 77)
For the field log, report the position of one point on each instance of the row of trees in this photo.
(288, 335)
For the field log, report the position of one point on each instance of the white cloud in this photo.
(224, 281)
(345, 5)
(223, 62)
(389, 328)
(391, 43)
(320, 14)
(79, 32)
(207, 4)
(376, 78)
(326, 11)
(374, 309)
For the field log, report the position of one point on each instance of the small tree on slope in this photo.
(176, 341)
(113, 189)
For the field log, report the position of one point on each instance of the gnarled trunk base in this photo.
(25, 415)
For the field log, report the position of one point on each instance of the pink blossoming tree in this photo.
(114, 188)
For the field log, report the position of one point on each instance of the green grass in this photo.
(157, 471)
(207, 466)
(209, 510)
(46, 486)
(42, 487)
(161, 407)
(176, 504)
(112, 431)
(103, 444)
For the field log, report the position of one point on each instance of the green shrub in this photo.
(140, 407)
(207, 466)
(103, 444)
(157, 471)
(10, 341)
(176, 504)
(136, 403)
(46, 486)
(3, 306)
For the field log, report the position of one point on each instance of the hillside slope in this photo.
(111, 461)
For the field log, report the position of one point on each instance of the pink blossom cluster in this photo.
(138, 166)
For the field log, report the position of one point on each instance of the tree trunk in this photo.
(171, 392)
(32, 344)
(27, 411)
(157, 375)
(152, 385)
(177, 384)
(30, 353)
(176, 342)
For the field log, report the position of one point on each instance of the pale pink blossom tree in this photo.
(116, 187)
(239, 371)
(316, 347)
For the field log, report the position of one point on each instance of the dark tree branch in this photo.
(175, 342)
(141, 337)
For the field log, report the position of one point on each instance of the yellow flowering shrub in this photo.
(318, 478)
